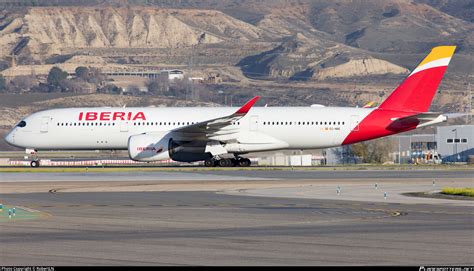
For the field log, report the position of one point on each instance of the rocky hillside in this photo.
(48, 31)
(271, 39)
(301, 58)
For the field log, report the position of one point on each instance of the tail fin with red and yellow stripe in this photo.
(416, 92)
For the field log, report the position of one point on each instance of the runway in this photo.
(259, 174)
(227, 225)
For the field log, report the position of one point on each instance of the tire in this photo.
(225, 162)
(209, 163)
(244, 162)
(249, 163)
(34, 163)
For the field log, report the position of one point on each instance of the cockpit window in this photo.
(21, 124)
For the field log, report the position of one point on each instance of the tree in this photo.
(110, 89)
(3, 83)
(96, 76)
(133, 90)
(374, 151)
(55, 76)
(153, 86)
(82, 73)
(23, 83)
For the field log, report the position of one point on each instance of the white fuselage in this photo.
(110, 128)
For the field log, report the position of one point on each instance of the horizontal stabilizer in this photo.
(420, 120)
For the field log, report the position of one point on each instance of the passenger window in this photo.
(449, 140)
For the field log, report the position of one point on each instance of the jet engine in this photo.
(149, 147)
(161, 146)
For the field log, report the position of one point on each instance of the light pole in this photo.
(223, 96)
(399, 153)
(455, 144)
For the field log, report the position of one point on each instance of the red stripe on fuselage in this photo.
(378, 124)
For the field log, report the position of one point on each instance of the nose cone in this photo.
(10, 139)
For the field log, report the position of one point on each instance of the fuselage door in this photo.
(124, 126)
(355, 122)
(253, 123)
(44, 124)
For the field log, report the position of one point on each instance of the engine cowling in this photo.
(150, 147)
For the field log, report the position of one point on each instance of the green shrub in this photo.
(468, 192)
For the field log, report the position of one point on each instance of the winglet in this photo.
(246, 107)
(369, 104)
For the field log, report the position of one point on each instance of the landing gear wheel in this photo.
(244, 162)
(225, 163)
(34, 163)
(210, 163)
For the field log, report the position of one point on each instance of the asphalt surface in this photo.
(204, 228)
(234, 175)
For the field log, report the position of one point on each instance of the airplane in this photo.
(219, 136)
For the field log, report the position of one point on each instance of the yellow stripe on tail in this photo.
(438, 53)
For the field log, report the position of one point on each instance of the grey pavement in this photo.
(204, 228)
(283, 174)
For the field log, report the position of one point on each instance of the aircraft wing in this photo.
(218, 127)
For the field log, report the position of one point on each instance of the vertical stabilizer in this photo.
(417, 91)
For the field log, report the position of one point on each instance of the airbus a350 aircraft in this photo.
(219, 136)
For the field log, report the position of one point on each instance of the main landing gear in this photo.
(228, 162)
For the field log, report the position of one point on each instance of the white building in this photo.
(173, 74)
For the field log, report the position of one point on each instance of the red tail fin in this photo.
(417, 91)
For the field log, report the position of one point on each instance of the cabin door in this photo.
(44, 124)
(355, 122)
(253, 123)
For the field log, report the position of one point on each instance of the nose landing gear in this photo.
(35, 162)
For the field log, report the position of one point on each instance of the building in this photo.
(455, 143)
(446, 144)
(173, 74)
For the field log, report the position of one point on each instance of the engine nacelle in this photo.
(150, 147)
